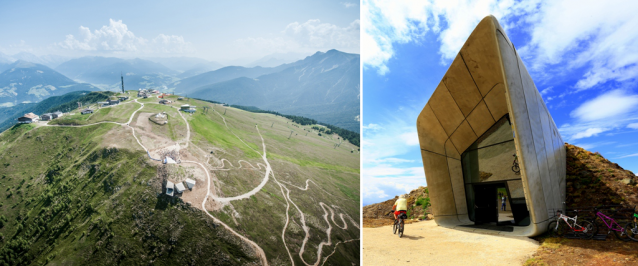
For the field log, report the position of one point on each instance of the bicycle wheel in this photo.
(588, 227)
(622, 235)
(632, 230)
(401, 228)
(395, 227)
(556, 231)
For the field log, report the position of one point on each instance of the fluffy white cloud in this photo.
(313, 33)
(588, 133)
(577, 33)
(391, 164)
(611, 110)
(386, 23)
(583, 33)
(117, 37)
(633, 125)
(410, 138)
(305, 37)
(609, 105)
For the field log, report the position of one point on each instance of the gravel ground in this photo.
(426, 243)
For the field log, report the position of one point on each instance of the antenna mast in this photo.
(122, 76)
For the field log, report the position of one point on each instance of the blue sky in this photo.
(583, 59)
(214, 30)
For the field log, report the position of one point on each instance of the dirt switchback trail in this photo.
(426, 243)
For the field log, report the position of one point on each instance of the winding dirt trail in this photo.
(268, 172)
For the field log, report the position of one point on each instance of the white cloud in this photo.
(117, 37)
(389, 165)
(547, 90)
(372, 127)
(348, 4)
(410, 138)
(633, 125)
(626, 156)
(611, 110)
(309, 36)
(386, 23)
(588, 133)
(583, 33)
(313, 33)
(609, 105)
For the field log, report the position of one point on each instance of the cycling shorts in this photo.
(399, 212)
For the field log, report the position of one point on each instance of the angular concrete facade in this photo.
(487, 81)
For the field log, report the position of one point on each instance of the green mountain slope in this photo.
(324, 86)
(68, 200)
(28, 82)
(63, 103)
(268, 190)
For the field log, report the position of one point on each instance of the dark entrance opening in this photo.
(490, 179)
(485, 203)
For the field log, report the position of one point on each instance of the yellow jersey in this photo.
(402, 204)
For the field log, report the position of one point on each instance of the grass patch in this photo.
(218, 134)
(349, 192)
(302, 162)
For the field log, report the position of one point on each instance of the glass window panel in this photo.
(499, 132)
(493, 163)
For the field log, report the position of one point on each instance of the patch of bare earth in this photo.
(426, 243)
(557, 251)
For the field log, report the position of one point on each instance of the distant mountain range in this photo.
(276, 59)
(105, 72)
(323, 86)
(23, 81)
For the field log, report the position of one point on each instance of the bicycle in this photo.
(515, 168)
(619, 231)
(399, 223)
(584, 230)
(632, 228)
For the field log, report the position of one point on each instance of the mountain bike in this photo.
(399, 223)
(515, 168)
(632, 228)
(583, 229)
(611, 224)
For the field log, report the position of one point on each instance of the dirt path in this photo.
(426, 243)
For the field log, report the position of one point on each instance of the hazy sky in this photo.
(213, 30)
(582, 56)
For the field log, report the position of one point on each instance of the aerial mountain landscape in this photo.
(323, 86)
(276, 178)
(23, 81)
(92, 189)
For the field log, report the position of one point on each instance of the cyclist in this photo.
(400, 206)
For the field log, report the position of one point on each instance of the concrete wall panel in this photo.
(451, 151)
(431, 134)
(523, 132)
(480, 119)
(439, 185)
(446, 109)
(478, 53)
(534, 114)
(461, 86)
(495, 101)
(458, 186)
(463, 137)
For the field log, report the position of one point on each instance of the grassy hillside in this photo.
(90, 195)
(63, 103)
(66, 199)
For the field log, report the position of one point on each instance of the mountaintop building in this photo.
(487, 137)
